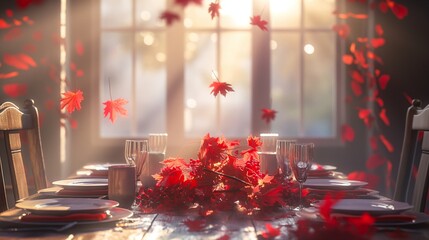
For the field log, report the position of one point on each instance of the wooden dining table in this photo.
(190, 225)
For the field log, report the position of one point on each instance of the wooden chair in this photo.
(15, 122)
(415, 152)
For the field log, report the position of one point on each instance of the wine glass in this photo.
(301, 156)
(282, 151)
(136, 152)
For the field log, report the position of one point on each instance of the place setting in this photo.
(81, 187)
(62, 212)
(384, 212)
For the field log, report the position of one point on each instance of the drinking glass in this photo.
(301, 156)
(267, 154)
(136, 154)
(282, 151)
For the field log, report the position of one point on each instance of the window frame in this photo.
(175, 67)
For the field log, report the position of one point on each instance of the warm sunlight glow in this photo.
(273, 45)
(284, 6)
(145, 15)
(309, 49)
(237, 10)
(148, 39)
(191, 103)
(160, 57)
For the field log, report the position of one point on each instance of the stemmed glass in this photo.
(136, 152)
(282, 151)
(301, 156)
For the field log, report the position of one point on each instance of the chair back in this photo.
(415, 152)
(14, 123)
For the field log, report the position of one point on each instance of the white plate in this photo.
(343, 184)
(66, 205)
(101, 167)
(12, 218)
(371, 206)
(83, 183)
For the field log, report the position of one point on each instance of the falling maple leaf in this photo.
(268, 114)
(8, 75)
(15, 89)
(343, 30)
(71, 101)
(377, 42)
(185, 3)
(214, 9)
(220, 87)
(399, 10)
(347, 133)
(20, 61)
(386, 143)
(271, 232)
(347, 59)
(383, 80)
(257, 21)
(114, 107)
(383, 117)
(169, 17)
(379, 30)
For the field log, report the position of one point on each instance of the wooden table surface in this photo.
(172, 226)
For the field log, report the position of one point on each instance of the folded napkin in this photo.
(389, 218)
(64, 218)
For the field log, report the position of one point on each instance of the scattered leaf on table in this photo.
(195, 225)
(271, 232)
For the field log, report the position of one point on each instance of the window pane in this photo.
(148, 11)
(200, 105)
(319, 85)
(116, 13)
(197, 16)
(236, 14)
(150, 89)
(116, 71)
(318, 13)
(285, 13)
(285, 83)
(236, 70)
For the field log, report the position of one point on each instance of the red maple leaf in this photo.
(375, 161)
(379, 30)
(386, 143)
(185, 3)
(169, 17)
(20, 61)
(268, 114)
(357, 76)
(15, 89)
(356, 88)
(71, 100)
(347, 59)
(4, 24)
(195, 225)
(399, 10)
(343, 30)
(271, 232)
(220, 87)
(383, 81)
(8, 75)
(366, 116)
(114, 107)
(347, 133)
(384, 117)
(257, 21)
(254, 142)
(214, 9)
(377, 42)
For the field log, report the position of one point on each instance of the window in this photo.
(296, 75)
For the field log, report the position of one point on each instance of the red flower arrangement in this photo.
(222, 178)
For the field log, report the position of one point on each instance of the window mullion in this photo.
(302, 71)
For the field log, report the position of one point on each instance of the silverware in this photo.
(39, 228)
